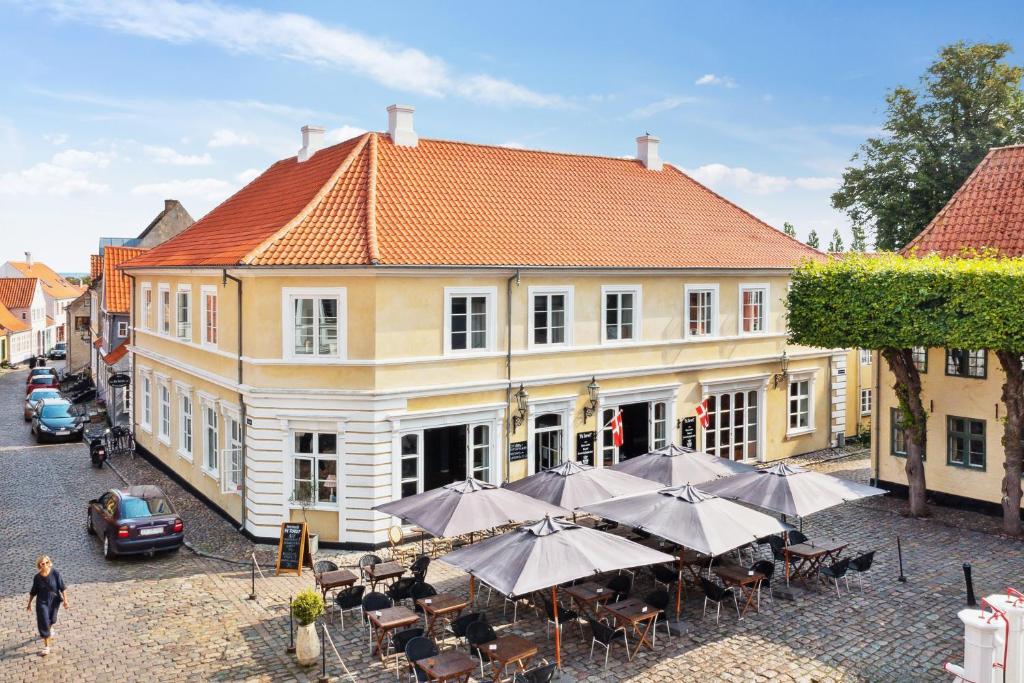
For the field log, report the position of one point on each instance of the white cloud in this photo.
(712, 79)
(721, 177)
(661, 106)
(228, 138)
(336, 135)
(56, 139)
(248, 175)
(208, 189)
(167, 155)
(300, 38)
(49, 179)
(80, 158)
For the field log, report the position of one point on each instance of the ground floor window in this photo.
(897, 433)
(965, 442)
(147, 402)
(211, 437)
(480, 447)
(548, 439)
(799, 404)
(165, 412)
(432, 457)
(185, 433)
(733, 431)
(233, 453)
(315, 461)
(865, 401)
(659, 424)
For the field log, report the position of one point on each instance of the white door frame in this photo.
(758, 383)
(563, 406)
(665, 393)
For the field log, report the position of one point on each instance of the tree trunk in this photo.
(914, 419)
(1013, 398)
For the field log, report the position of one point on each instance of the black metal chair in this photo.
(420, 591)
(606, 525)
(659, 599)
(348, 599)
(515, 600)
(365, 562)
(766, 567)
(478, 634)
(621, 586)
(604, 635)
(416, 649)
(457, 627)
(564, 615)
(418, 568)
(835, 571)
(664, 575)
(778, 546)
(717, 594)
(401, 589)
(860, 565)
(542, 673)
(373, 602)
(797, 537)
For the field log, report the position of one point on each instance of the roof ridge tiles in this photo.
(372, 247)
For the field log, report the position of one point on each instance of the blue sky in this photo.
(107, 108)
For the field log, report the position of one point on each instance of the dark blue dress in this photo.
(47, 590)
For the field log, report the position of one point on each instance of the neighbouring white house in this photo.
(24, 298)
(58, 291)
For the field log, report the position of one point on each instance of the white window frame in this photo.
(865, 394)
(186, 422)
(146, 401)
(207, 292)
(490, 295)
(711, 288)
(146, 305)
(122, 329)
(208, 405)
(765, 308)
(288, 297)
(164, 414)
(756, 383)
(163, 311)
(568, 292)
(637, 292)
(613, 400)
(865, 356)
(316, 456)
(563, 407)
(808, 376)
(187, 291)
(231, 419)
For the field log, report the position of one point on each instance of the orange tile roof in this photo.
(95, 266)
(53, 284)
(116, 355)
(450, 203)
(987, 210)
(10, 322)
(17, 292)
(117, 288)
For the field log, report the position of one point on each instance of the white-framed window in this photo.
(548, 441)
(231, 468)
(865, 401)
(753, 309)
(185, 418)
(314, 323)
(734, 429)
(146, 308)
(620, 314)
(799, 405)
(480, 451)
(314, 467)
(183, 312)
(146, 400)
(164, 433)
(865, 356)
(700, 317)
(659, 424)
(208, 294)
(211, 438)
(551, 316)
(409, 478)
(164, 309)
(469, 319)
(122, 329)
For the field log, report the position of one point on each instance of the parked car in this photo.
(59, 350)
(38, 395)
(39, 372)
(42, 382)
(138, 519)
(56, 418)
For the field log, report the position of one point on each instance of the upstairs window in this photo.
(550, 316)
(314, 323)
(865, 356)
(920, 355)
(621, 313)
(164, 311)
(183, 317)
(469, 320)
(147, 306)
(966, 363)
(701, 310)
(209, 315)
(965, 442)
(753, 309)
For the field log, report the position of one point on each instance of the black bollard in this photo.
(899, 552)
(291, 628)
(971, 601)
(323, 655)
(252, 569)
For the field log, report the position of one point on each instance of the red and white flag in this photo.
(702, 414)
(616, 424)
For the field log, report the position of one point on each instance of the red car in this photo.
(42, 382)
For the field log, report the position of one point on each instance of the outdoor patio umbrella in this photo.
(675, 466)
(572, 485)
(691, 518)
(548, 553)
(464, 507)
(790, 489)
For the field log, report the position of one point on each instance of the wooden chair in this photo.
(399, 554)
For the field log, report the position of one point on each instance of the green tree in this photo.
(969, 101)
(836, 245)
(788, 228)
(859, 242)
(812, 240)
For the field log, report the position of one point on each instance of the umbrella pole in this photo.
(679, 584)
(558, 630)
(471, 590)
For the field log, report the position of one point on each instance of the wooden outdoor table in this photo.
(747, 581)
(450, 665)
(341, 578)
(694, 562)
(811, 554)
(508, 649)
(589, 596)
(383, 572)
(631, 612)
(441, 605)
(390, 619)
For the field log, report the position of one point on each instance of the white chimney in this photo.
(400, 125)
(312, 141)
(647, 151)
(28, 258)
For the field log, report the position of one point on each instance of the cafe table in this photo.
(810, 555)
(450, 665)
(589, 596)
(384, 621)
(383, 572)
(694, 563)
(506, 650)
(748, 582)
(443, 605)
(639, 616)
(341, 578)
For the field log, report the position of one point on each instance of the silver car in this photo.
(35, 397)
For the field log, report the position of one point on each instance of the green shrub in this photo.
(307, 606)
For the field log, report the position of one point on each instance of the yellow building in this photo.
(961, 388)
(389, 314)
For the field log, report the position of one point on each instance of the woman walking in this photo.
(48, 590)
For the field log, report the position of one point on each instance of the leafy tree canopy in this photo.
(812, 239)
(836, 245)
(969, 101)
(788, 228)
(859, 243)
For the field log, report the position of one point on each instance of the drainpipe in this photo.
(831, 411)
(876, 416)
(508, 371)
(131, 340)
(241, 396)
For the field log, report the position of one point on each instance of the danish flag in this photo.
(616, 424)
(702, 414)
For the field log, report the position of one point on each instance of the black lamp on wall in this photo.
(522, 404)
(779, 377)
(592, 393)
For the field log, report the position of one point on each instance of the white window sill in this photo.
(312, 359)
(212, 474)
(184, 455)
(165, 440)
(319, 507)
(236, 492)
(468, 353)
(209, 345)
(754, 334)
(146, 428)
(619, 342)
(867, 414)
(803, 431)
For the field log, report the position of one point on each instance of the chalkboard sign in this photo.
(689, 435)
(517, 450)
(119, 380)
(585, 447)
(293, 548)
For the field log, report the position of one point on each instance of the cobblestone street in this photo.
(186, 617)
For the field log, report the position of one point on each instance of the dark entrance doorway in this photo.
(444, 456)
(635, 431)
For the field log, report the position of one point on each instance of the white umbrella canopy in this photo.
(790, 489)
(464, 507)
(572, 485)
(673, 465)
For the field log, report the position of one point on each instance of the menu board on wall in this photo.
(585, 447)
(689, 435)
(517, 450)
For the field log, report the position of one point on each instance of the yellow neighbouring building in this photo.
(389, 314)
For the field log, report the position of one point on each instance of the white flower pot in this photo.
(314, 544)
(307, 645)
